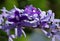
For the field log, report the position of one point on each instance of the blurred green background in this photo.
(32, 34)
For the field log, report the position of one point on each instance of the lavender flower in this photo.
(13, 18)
(31, 10)
(16, 19)
(29, 17)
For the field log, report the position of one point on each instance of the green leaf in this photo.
(9, 4)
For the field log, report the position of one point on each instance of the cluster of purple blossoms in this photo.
(29, 17)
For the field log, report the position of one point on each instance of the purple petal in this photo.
(4, 27)
(16, 20)
(16, 13)
(29, 23)
(53, 38)
(53, 26)
(7, 31)
(19, 31)
(31, 10)
(58, 37)
(10, 38)
(23, 32)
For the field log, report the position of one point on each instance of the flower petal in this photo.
(18, 32)
(53, 38)
(23, 32)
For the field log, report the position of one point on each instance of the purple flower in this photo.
(17, 18)
(44, 24)
(4, 12)
(31, 10)
(29, 17)
(33, 14)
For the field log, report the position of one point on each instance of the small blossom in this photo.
(4, 12)
(31, 10)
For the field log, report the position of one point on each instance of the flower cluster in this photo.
(29, 17)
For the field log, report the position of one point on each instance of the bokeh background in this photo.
(32, 34)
